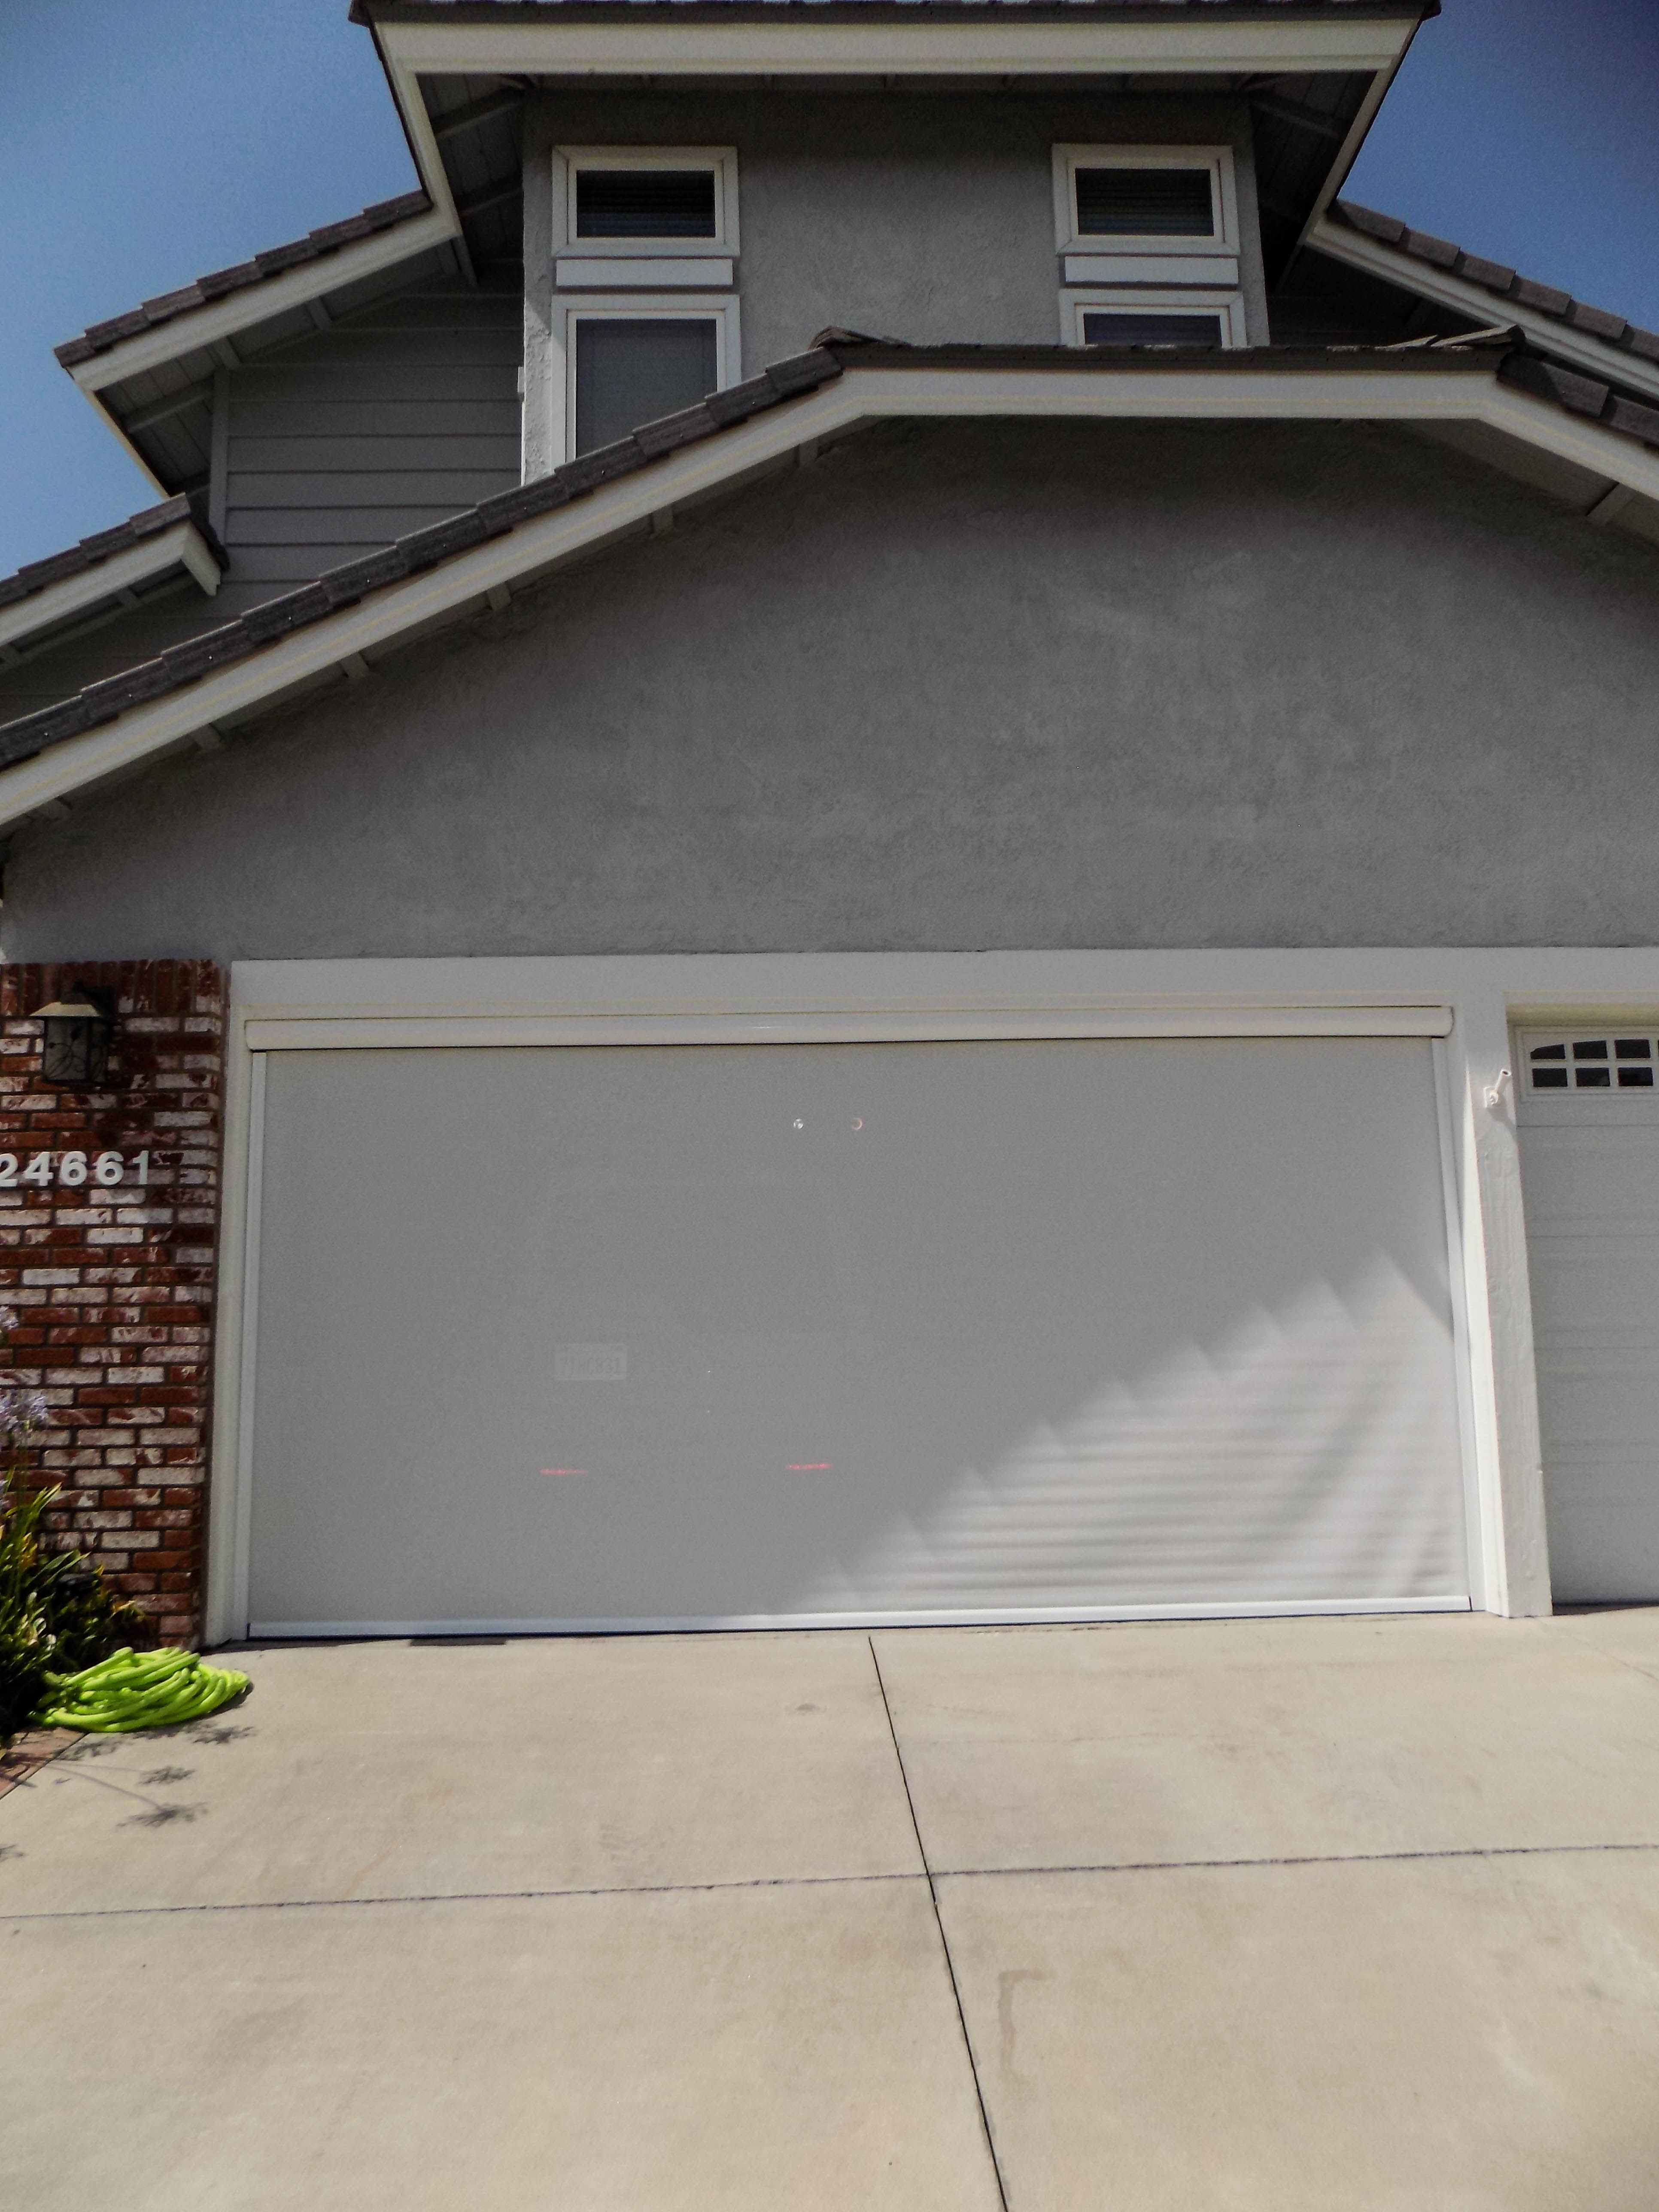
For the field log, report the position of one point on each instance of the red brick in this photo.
(97, 1271)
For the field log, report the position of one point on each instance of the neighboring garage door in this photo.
(646, 1335)
(1589, 1109)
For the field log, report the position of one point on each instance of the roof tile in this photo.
(525, 502)
(1423, 246)
(1597, 322)
(149, 522)
(1635, 420)
(1543, 297)
(673, 431)
(1492, 274)
(738, 401)
(1547, 379)
(384, 215)
(186, 663)
(1494, 277)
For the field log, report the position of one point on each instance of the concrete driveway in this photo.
(1266, 1917)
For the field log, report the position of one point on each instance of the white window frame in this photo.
(1224, 199)
(569, 162)
(1075, 303)
(718, 308)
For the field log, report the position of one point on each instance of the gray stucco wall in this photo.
(925, 217)
(956, 686)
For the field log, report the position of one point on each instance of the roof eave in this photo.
(182, 547)
(374, 606)
(1374, 257)
(200, 328)
(872, 40)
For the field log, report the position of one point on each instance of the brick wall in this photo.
(113, 1286)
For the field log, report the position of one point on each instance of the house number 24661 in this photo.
(68, 1170)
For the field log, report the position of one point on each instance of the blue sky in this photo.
(143, 141)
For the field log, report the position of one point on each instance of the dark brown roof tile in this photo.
(1492, 274)
(676, 430)
(1543, 297)
(1547, 379)
(1597, 322)
(1494, 277)
(1423, 246)
(149, 522)
(384, 215)
(1635, 420)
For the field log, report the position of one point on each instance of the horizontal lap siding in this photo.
(353, 437)
(340, 442)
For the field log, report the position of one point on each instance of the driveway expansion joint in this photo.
(945, 1941)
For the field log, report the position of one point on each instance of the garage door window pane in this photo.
(631, 372)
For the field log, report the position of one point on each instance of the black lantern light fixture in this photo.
(75, 1053)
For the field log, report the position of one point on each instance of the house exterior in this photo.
(875, 823)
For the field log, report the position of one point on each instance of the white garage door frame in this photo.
(1465, 1002)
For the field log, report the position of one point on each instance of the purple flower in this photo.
(21, 1412)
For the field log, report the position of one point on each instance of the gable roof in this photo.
(475, 559)
(44, 595)
(1382, 245)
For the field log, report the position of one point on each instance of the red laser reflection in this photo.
(564, 1470)
(807, 1467)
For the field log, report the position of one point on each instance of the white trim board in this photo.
(978, 1616)
(1469, 997)
(859, 395)
(1095, 46)
(183, 546)
(1375, 258)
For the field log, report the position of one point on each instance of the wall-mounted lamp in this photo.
(75, 1055)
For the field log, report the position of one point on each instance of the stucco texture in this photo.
(928, 217)
(951, 687)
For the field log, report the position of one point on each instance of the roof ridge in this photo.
(274, 261)
(1499, 280)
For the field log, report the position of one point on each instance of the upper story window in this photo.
(1148, 240)
(1145, 200)
(653, 204)
(647, 202)
(644, 283)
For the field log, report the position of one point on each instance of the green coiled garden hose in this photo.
(138, 1689)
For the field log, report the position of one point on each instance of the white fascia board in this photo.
(273, 295)
(181, 547)
(423, 139)
(1358, 131)
(1585, 351)
(857, 396)
(798, 48)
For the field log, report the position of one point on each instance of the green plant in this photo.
(57, 1615)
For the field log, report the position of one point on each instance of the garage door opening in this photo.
(641, 1337)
